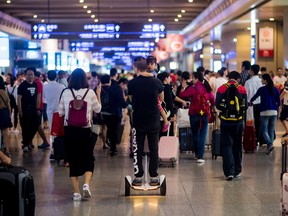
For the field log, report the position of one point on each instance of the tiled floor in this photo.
(192, 189)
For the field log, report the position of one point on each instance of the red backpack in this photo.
(77, 114)
(203, 107)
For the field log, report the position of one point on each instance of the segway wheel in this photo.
(127, 188)
(163, 188)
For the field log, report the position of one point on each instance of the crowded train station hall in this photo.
(129, 107)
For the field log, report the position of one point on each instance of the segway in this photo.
(145, 184)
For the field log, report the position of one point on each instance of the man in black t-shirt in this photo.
(144, 91)
(27, 106)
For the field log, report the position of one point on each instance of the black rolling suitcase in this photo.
(17, 195)
(59, 149)
(185, 139)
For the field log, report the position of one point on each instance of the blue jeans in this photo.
(267, 128)
(231, 148)
(199, 125)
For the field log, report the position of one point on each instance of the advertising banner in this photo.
(266, 42)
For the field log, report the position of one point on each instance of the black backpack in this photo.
(233, 104)
(105, 103)
(12, 98)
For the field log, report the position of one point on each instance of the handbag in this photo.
(183, 118)
(57, 128)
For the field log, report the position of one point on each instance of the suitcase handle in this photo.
(284, 144)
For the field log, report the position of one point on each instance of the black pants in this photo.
(138, 148)
(231, 147)
(29, 126)
(256, 113)
(112, 122)
(15, 116)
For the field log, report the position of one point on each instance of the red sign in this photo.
(266, 42)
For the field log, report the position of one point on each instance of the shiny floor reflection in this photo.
(192, 189)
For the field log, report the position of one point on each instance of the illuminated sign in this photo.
(122, 46)
(98, 31)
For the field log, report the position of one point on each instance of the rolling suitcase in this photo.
(17, 196)
(284, 180)
(185, 139)
(59, 148)
(209, 135)
(168, 150)
(249, 139)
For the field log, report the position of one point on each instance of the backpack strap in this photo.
(13, 90)
(85, 94)
(73, 93)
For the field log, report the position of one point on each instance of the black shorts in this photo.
(284, 113)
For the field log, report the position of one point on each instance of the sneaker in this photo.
(237, 176)
(269, 150)
(86, 191)
(154, 181)
(166, 127)
(229, 178)
(137, 181)
(25, 149)
(44, 145)
(200, 160)
(284, 135)
(77, 197)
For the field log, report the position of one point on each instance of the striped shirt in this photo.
(91, 99)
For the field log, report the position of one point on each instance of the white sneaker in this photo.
(77, 197)
(86, 191)
(200, 160)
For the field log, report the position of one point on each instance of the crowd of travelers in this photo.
(152, 99)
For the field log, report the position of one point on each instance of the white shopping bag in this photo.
(183, 119)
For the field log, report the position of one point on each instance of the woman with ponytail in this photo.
(270, 101)
(202, 100)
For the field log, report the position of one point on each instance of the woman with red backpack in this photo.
(202, 100)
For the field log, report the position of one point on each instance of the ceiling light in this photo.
(93, 16)
(150, 20)
(8, 1)
(42, 20)
(183, 11)
(35, 16)
(211, 43)
(271, 19)
(176, 20)
(89, 11)
(190, 1)
(179, 15)
(96, 20)
(81, 1)
(151, 11)
(235, 40)
(85, 6)
(248, 28)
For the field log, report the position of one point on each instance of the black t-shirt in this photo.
(29, 96)
(145, 92)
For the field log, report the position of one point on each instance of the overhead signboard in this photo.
(133, 46)
(98, 31)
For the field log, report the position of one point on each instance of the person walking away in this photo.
(201, 101)
(52, 91)
(231, 101)
(78, 139)
(11, 88)
(252, 85)
(5, 115)
(27, 107)
(62, 79)
(144, 91)
(40, 106)
(246, 66)
(270, 101)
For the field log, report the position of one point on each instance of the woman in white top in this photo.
(78, 142)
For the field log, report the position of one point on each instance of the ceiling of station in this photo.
(106, 11)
